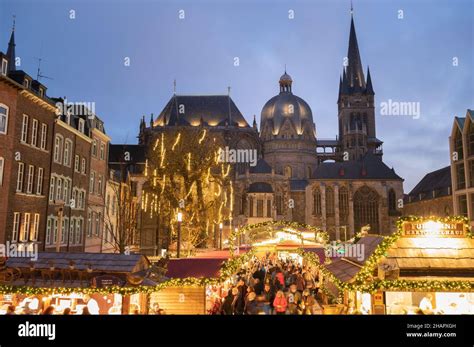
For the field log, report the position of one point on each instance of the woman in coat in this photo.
(280, 303)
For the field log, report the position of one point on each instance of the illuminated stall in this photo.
(426, 267)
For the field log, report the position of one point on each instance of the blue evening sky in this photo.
(411, 59)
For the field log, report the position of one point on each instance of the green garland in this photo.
(364, 281)
(229, 268)
(286, 224)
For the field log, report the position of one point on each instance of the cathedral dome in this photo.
(285, 106)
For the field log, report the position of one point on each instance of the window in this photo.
(461, 179)
(83, 165)
(329, 201)
(67, 153)
(269, 208)
(91, 184)
(81, 199)
(279, 204)
(76, 163)
(58, 147)
(89, 223)
(26, 83)
(259, 208)
(3, 119)
(59, 188)
(462, 204)
(81, 125)
(94, 148)
(317, 202)
(44, 132)
(39, 181)
(97, 224)
(99, 188)
(471, 173)
(288, 172)
(2, 165)
(41, 92)
(66, 191)
(24, 129)
(343, 204)
(16, 226)
(34, 133)
(31, 174)
(34, 233)
(251, 207)
(19, 179)
(78, 231)
(51, 188)
(4, 67)
(49, 224)
(64, 229)
(55, 230)
(458, 145)
(25, 228)
(102, 151)
(366, 209)
(392, 200)
(72, 229)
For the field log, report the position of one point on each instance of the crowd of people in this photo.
(270, 285)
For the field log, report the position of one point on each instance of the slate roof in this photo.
(194, 267)
(298, 185)
(438, 181)
(262, 167)
(260, 187)
(368, 167)
(460, 121)
(107, 262)
(213, 110)
(137, 153)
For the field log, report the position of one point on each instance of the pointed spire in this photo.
(11, 56)
(254, 124)
(355, 74)
(340, 85)
(369, 89)
(345, 82)
(151, 120)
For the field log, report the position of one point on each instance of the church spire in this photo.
(355, 73)
(11, 49)
(369, 89)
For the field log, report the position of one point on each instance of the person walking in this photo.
(294, 300)
(251, 305)
(280, 304)
(227, 305)
(308, 302)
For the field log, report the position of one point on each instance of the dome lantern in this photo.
(285, 83)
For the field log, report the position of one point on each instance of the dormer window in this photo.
(68, 118)
(81, 125)
(27, 83)
(4, 66)
(41, 92)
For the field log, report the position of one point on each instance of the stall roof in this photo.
(106, 262)
(194, 267)
(320, 252)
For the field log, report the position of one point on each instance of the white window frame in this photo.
(72, 230)
(25, 227)
(34, 133)
(6, 118)
(99, 185)
(83, 166)
(89, 223)
(94, 148)
(35, 232)
(67, 152)
(80, 125)
(44, 132)
(30, 179)
(16, 226)
(58, 148)
(66, 191)
(76, 163)
(26, 83)
(64, 230)
(52, 186)
(24, 129)
(19, 178)
(41, 92)
(49, 226)
(59, 188)
(78, 237)
(55, 230)
(2, 168)
(92, 182)
(4, 66)
(97, 224)
(102, 151)
(39, 181)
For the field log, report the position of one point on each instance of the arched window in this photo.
(288, 171)
(317, 202)
(329, 201)
(366, 209)
(392, 200)
(343, 203)
(243, 203)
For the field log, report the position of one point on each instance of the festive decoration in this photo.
(367, 283)
(320, 235)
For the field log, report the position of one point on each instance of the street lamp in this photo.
(179, 218)
(220, 235)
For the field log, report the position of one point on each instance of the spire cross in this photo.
(174, 86)
(14, 20)
(352, 9)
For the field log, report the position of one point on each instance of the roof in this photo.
(370, 166)
(438, 181)
(298, 185)
(194, 267)
(262, 167)
(260, 187)
(213, 110)
(107, 262)
(460, 121)
(137, 153)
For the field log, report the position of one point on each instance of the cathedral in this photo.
(339, 185)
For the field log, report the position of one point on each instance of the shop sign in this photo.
(434, 229)
(106, 281)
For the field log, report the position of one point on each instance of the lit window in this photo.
(102, 151)
(35, 231)
(4, 67)
(3, 119)
(31, 174)
(24, 129)
(19, 179)
(81, 125)
(94, 148)
(91, 183)
(25, 228)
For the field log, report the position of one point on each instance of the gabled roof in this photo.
(298, 185)
(370, 166)
(213, 110)
(460, 121)
(438, 181)
(262, 167)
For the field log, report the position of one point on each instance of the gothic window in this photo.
(458, 144)
(343, 203)
(329, 202)
(392, 201)
(259, 208)
(288, 171)
(269, 208)
(243, 202)
(317, 202)
(366, 209)
(250, 207)
(279, 204)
